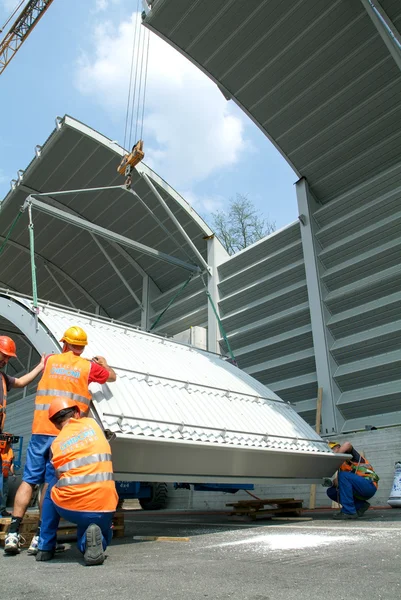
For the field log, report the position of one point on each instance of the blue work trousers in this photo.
(1, 485)
(351, 488)
(51, 514)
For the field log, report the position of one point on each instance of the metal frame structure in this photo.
(101, 231)
(386, 28)
(25, 23)
(332, 420)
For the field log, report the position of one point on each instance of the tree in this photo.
(241, 225)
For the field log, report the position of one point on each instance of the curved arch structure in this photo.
(182, 414)
(76, 157)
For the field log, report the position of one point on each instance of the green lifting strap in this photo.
(13, 224)
(32, 253)
(182, 288)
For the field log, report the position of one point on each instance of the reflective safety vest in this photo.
(7, 458)
(363, 469)
(82, 460)
(4, 404)
(64, 375)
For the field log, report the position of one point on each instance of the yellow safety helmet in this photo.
(333, 444)
(76, 336)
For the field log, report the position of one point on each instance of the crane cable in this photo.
(130, 79)
(137, 82)
(16, 9)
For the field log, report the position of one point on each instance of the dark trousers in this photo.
(353, 491)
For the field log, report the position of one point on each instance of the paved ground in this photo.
(225, 558)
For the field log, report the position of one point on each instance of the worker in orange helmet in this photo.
(67, 375)
(8, 350)
(83, 491)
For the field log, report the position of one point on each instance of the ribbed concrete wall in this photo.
(358, 247)
(265, 313)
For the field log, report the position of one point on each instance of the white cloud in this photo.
(204, 203)
(103, 5)
(190, 130)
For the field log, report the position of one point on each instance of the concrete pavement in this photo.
(225, 557)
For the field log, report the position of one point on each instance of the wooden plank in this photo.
(312, 495)
(264, 501)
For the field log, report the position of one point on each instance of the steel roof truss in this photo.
(105, 233)
(385, 27)
(180, 228)
(117, 270)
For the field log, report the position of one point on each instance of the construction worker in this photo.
(7, 462)
(355, 484)
(83, 491)
(68, 375)
(8, 350)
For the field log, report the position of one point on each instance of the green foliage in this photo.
(241, 225)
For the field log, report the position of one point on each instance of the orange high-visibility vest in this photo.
(64, 375)
(363, 469)
(82, 460)
(7, 458)
(3, 406)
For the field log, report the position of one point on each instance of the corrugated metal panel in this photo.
(317, 79)
(169, 390)
(175, 403)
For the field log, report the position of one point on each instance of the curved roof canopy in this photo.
(71, 264)
(316, 77)
(179, 413)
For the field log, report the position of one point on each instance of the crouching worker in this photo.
(355, 484)
(83, 492)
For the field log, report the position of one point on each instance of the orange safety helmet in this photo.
(75, 335)
(7, 346)
(60, 403)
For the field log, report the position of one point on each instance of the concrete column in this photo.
(331, 418)
(149, 293)
(216, 254)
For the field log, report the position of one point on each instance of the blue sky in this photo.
(77, 62)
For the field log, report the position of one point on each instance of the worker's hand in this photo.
(42, 362)
(100, 360)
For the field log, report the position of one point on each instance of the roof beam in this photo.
(385, 27)
(105, 233)
(180, 228)
(117, 270)
(61, 206)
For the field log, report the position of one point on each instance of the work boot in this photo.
(44, 555)
(361, 511)
(344, 516)
(12, 543)
(33, 546)
(94, 554)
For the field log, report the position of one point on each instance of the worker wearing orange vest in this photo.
(83, 491)
(6, 458)
(354, 485)
(67, 375)
(8, 350)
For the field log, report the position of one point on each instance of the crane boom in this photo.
(20, 30)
